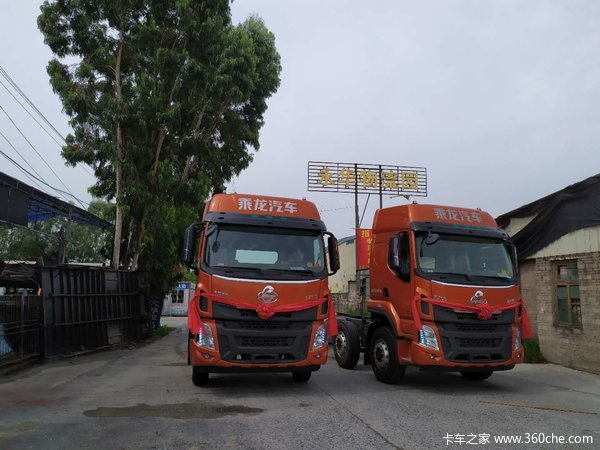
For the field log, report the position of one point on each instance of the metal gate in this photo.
(89, 308)
(21, 328)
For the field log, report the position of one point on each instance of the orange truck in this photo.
(262, 301)
(444, 296)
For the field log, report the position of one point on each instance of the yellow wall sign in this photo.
(369, 178)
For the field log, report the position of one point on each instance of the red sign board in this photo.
(364, 242)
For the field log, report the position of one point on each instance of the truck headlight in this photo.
(518, 343)
(205, 337)
(427, 337)
(320, 338)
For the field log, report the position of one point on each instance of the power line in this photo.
(22, 94)
(33, 180)
(335, 209)
(16, 87)
(29, 112)
(41, 157)
(43, 233)
(24, 160)
(33, 176)
(25, 172)
(15, 225)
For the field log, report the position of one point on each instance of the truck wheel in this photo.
(347, 346)
(384, 356)
(199, 378)
(301, 377)
(477, 376)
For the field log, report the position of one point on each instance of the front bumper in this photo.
(425, 357)
(243, 341)
(212, 362)
(467, 343)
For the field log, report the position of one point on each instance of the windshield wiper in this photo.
(232, 268)
(467, 277)
(302, 271)
(496, 277)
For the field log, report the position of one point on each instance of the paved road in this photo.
(143, 398)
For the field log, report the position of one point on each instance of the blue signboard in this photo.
(183, 285)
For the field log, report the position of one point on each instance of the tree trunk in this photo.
(141, 231)
(119, 166)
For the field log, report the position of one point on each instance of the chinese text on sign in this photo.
(367, 178)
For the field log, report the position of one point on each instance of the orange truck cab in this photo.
(443, 296)
(262, 301)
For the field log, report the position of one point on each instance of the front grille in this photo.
(250, 313)
(244, 338)
(489, 327)
(465, 338)
(478, 343)
(264, 325)
(473, 316)
(248, 341)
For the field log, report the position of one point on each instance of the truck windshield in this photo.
(471, 258)
(265, 253)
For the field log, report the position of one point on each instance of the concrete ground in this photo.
(143, 397)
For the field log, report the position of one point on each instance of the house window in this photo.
(567, 293)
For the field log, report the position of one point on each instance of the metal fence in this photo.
(21, 328)
(90, 308)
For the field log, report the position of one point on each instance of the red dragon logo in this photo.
(478, 298)
(267, 295)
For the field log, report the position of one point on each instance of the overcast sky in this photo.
(499, 100)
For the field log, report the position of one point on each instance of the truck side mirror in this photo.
(399, 256)
(189, 245)
(333, 253)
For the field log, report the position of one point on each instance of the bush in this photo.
(533, 355)
(162, 331)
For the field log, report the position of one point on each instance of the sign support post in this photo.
(356, 226)
(374, 179)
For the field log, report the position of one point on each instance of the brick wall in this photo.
(576, 347)
(349, 302)
(528, 282)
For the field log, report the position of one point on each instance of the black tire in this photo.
(199, 378)
(346, 346)
(301, 377)
(477, 376)
(384, 356)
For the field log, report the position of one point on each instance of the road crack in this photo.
(368, 425)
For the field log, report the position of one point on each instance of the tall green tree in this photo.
(166, 100)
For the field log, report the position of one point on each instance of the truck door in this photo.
(401, 264)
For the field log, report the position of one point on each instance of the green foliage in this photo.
(533, 355)
(84, 243)
(17, 244)
(161, 332)
(186, 275)
(187, 91)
